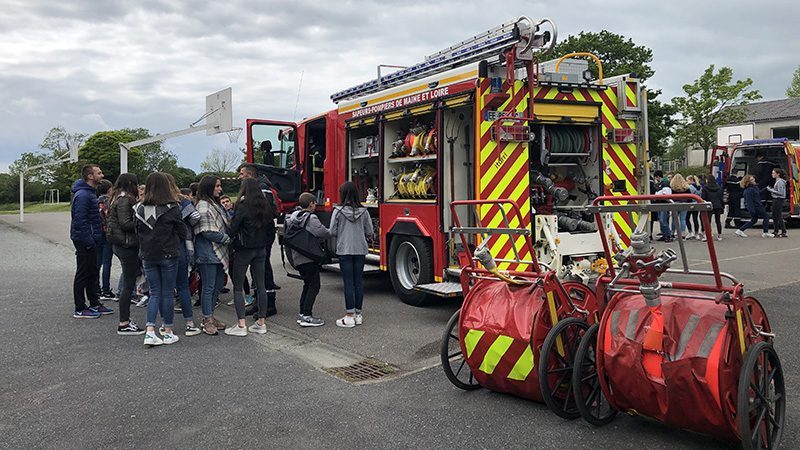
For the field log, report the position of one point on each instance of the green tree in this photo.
(221, 161)
(707, 106)
(30, 159)
(621, 56)
(793, 91)
(184, 176)
(102, 148)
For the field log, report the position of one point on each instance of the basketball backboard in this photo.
(219, 111)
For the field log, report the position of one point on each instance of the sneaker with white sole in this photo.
(191, 329)
(236, 330)
(719, 237)
(346, 322)
(766, 235)
(258, 329)
(300, 318)
(309, 321)
(170, 338)
(142, 301)
(131, 329)
(740, 233)
(152, 340)
(359, 318)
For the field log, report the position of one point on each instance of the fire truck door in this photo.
(271, 146)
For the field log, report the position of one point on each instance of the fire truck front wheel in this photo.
(410, 264)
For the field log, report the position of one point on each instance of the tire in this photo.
(589, 396)
(555, 369)
(756, 386)
(453, 363)
(410, 264)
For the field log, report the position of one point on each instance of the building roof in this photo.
(771, 111)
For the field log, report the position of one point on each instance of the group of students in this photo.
(707, 188)
(163, 232)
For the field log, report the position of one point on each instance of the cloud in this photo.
(92, 66)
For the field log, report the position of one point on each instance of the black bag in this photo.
(302, 241)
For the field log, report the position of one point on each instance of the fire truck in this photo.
(743, 159)
(482, 119)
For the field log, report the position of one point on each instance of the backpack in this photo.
(299, 239)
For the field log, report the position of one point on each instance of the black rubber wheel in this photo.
(761, 403)
(556, 361)
(589, 398)
(410, 264)
(453, 362)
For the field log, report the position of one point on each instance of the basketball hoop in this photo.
(233, 134)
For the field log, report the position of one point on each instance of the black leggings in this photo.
(129, 260)
(717, 218)
(777, 215)
(695, 225)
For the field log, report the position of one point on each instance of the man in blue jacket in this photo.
(85, 234)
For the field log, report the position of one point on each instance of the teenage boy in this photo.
(308, 268)
(85, 235)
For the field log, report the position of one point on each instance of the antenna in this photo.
(297, 102)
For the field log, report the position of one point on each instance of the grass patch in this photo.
(13, 208)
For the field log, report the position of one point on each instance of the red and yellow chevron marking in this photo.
(503, 173)
(499, 354)
(619, 160)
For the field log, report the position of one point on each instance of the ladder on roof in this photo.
(476, 48)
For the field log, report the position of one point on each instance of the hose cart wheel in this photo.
(589, 398)
(453, 362)
(556, 362)
(761, 405)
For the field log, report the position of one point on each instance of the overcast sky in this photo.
(99, 65)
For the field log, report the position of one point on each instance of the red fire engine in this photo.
(482, 119)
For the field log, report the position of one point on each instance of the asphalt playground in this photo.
(75, 384)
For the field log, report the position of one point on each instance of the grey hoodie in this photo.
(313, 225)
(351, 227)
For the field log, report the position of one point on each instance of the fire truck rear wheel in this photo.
(410, 264)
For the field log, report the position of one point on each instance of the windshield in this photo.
(273, 145)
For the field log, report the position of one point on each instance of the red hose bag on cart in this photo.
(697, 384)
(499, 337)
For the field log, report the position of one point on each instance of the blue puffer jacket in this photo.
(752, 199)
(85, 227)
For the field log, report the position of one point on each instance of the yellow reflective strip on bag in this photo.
(551, 304)
(523, 366)
(471, 340)
(495, 353)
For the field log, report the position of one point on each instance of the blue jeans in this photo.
(353, 277)
(182, 284)
(161, 278)
(211, 277)
(759, 213)
(663, 223)
(105, 252)
(681, 219)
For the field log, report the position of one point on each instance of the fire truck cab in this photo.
(479, 120)
(757, 157)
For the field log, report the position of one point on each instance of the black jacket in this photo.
(245, 232)
(161, 230)
(713, 195)
(121, 224)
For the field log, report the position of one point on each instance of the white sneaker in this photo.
(142, 301)
(719, 237)
(740, 233)
(346, 322)
(258, 329)
(691, 236)
(767, 235)
(702, 237)
(170, 338)
(359, 318)
(236, 330)
(152, 340)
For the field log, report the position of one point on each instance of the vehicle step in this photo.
(368, 268)
(446, 289)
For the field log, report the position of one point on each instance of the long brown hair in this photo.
(252, 200)
(205, 190)
(747, 180)
(126, 183)
(159, 189)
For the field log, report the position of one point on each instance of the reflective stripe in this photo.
(551, 303)
(524, 365)
(740, 329)
(614, 323)
(495, 353)
(630, 329)
(471, 340)
(709, 340)
(686, 334)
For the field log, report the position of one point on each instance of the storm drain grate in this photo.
(367, 370)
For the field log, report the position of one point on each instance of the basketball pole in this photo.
(124, 148)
